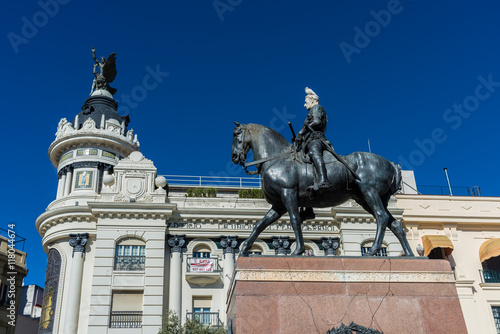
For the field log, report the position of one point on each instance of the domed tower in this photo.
(110, 210)
(87, 148)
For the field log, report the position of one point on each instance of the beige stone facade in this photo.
(468, 222)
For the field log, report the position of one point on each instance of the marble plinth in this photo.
(314, 294)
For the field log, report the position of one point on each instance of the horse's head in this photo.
(241, 144)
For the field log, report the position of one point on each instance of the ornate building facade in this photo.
(123, 247)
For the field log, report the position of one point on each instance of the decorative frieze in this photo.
(344, 276)
(112, 129)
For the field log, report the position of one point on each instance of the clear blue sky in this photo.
(386, 71)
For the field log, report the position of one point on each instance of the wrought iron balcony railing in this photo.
(206, 265)
(490, 276)
(129, 262)
(207, 318)
(125, 319)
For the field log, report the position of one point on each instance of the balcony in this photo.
(203, 271)
(207, 318)
(129, 262)
(490, 276)
(125, 319)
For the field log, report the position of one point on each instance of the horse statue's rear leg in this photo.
(377, 206)
(271, 216)
(289, 198)
(379, 211)
(398, 230)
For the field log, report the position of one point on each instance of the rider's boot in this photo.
(319, 163)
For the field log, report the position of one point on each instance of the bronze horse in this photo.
(285, 182)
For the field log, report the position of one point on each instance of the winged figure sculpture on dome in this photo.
(107, 75)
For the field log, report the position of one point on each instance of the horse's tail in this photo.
(397, 178)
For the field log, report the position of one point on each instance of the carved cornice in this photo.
(131, 210)
(82, 138)
(62, 215)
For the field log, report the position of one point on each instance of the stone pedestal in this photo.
(314, 294)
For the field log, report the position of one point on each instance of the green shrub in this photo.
(201, 192)
(250, 193)
(172, 325)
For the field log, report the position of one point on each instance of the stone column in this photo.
(69, 177)
(281, 245)
(330, 245)
(230, 245)
(61, 183)
(177, 245)
(78, 242)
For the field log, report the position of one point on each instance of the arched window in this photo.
(201, 251)
(308, 252)
(256, 250)
(130, 254)
(489, 254)
(365, 248)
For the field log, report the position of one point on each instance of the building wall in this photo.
(468, 222)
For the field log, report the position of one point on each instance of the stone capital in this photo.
(229, 243)
(281, 245)
(78, 242)
(177, 242)
(330, 245)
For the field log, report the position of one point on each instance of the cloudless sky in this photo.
(391, 81)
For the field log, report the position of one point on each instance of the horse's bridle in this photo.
(245, 148)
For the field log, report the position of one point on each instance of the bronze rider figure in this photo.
(312, 137)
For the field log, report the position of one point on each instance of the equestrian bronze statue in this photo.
(288, 182)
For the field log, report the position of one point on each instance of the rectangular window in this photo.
(496, 317)
(201, 310)
(204, 255)
(130, 257)
(126, 309)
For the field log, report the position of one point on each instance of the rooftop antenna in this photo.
(369, 147)
(448, 179)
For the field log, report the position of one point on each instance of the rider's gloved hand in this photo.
(298, 140)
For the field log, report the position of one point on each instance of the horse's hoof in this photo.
(298, 253)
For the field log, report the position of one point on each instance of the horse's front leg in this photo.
(289, 198)
(271, 216)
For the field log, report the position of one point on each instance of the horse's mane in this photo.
(276, 137)
(267, 142)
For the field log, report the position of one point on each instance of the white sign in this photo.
(202, 265)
